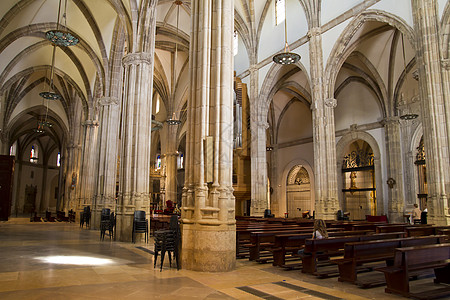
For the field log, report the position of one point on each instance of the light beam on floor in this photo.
(75, 260)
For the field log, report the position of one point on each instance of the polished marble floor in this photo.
(62, 261)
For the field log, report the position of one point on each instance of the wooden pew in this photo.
(357, 254)
(411, 261)
(243, 236)
(61, 216)
(265, 240)
(291, 243)
(323, 249)
(419, 230)
(262, 240)
(392, 228)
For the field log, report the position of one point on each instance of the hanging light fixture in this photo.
(286, 57)
(50, 94)
(58, 37)
(173, 120)
(61, 37)
(407, 116)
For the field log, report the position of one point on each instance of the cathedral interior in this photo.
(217, 110)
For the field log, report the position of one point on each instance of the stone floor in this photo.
(62, 261)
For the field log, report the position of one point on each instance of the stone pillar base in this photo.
(124, 227)
(438, 220)
(396, 217)
(208, 248)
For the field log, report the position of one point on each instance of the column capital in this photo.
(105, 101)
(331, 102)
(253, 68)
(171, 154)
(137, 58)
(263, 124)
(415, 74)
(73, 146)
(315, 31)
(445, 63)
(90, 123)
(390, 121)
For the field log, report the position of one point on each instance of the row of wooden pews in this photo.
(398, 252)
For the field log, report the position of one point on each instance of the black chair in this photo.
(112, 225)
(85, 217)
(268, 213)
(168, 240)
(105, 221)
(140, 225)
(341, 216)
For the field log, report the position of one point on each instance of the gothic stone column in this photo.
(258, 162)
(88, 166)
(322, 107)
(259, 168)
(108, 147)
(171, 155)
(209, 237)
(431, 86)
(396, 200)
(136, 138)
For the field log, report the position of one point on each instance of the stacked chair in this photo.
(168, 240)
(85, 217)
(105, 222)
(140, 225)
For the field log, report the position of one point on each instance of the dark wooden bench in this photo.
(323, 249)
(411, 261)
(263, 240)
(243, 236)
(421, 230)
(291, 243)
(358, 254)
(392, 228)
(61, 216)
(266, 240)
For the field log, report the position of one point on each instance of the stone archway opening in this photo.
(298, 193)
(358, 177)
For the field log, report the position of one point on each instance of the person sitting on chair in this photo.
(416, 214)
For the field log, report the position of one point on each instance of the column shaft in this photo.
(209, 237)
(323, 134)
(431, 85)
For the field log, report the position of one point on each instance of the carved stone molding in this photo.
(446, 63)
(390, 120)
(73, 146)
(263, 124)
(331, 102)
(314, 32)
(137, 58)
(415, 74)
(105, 101)
(90, 123)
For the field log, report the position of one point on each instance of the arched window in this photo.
(34, 157)
(157, 105)
(280, 11)
(181, 160)
(235, 43)
(58, 159)
(158, 161)
(12, 150)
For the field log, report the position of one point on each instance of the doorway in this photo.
(298, 192)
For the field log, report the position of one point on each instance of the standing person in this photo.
(416, 213)
(423, 216)
(320, 229)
